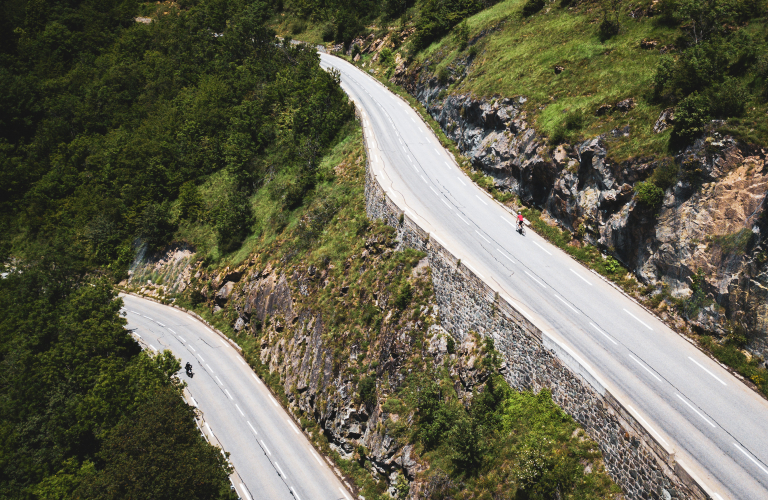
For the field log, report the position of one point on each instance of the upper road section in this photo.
(713, 422)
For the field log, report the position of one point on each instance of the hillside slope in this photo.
(344, 327)
(637, 129)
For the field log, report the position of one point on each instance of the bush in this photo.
(690, 117)
(665, 175)
(328, 32)
(727, 99)
(609, 28)
(298, 27)
(531, 7)
(649, 194)
(367, 390)
(443, 75)
(404, 296)
(386, 57)
(461, 35)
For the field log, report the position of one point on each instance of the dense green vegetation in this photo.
(85, 413)
(117, 133)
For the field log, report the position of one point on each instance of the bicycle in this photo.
(521, 228)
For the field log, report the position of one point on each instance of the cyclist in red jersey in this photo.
(519, 222)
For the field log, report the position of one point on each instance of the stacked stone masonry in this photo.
(633, 458)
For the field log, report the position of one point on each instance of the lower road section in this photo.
(273, 459)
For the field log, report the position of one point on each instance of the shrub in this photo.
(404, 296)
(367, 390)
(298, 27)
(727, 99)
(609, 28)
(665, 175)
(473, 51)
(328, 32)
(386, 57)
(531, 7)
(461, 34)
(690, 117)
(574, 120)
(649, 194)
(443, 75)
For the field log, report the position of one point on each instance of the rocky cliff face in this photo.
(300, 316)
(710, 221)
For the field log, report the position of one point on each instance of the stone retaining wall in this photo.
(536, 360)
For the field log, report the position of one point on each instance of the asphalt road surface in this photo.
(273, 459)
(709, 418)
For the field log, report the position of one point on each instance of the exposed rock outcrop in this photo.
(719, 194)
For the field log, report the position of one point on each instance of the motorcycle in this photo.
(188, 368)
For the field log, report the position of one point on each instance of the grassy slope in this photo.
(519, 58)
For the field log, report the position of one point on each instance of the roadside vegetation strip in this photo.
(386, 273)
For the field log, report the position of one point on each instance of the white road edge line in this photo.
(713, 375)
(645, 367)
(461, 180)
(505, 256)
(343, 492)
(483, 237)
(295, 429)
(605, 334)
(274, 400)
(566, 303)
(534, 279)
(750, 457)
(295, 494)
(541, 247)
(222, 341)
(281, 471)
(249, 425)
(182, 338)
(153, 347)
(238, 409)
(462, 220)
(433, 190)
(257, 378)
(217, 378)
(190, 346)
(243, 361)
(245, 492)
(201, 358)
(695, 410)
(647, 425)
(265, 446)
(318, 459)
(638, 319)
(138, 335)
(148, 318)
(582, 277)
(209, 367)
(171, 331)
(484, 203)
(448, 165)
(160, 324)
(230, 395)
(193, 401)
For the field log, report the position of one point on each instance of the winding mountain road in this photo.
(273, 459)
(708, 417)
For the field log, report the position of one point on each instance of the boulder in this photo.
(666, 119)
(224, 292)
